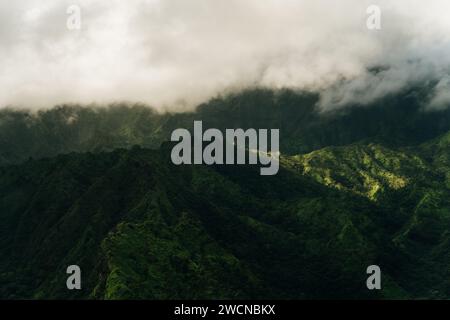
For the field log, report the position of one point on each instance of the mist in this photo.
(175, 54)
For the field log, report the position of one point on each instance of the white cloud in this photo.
(172, 53)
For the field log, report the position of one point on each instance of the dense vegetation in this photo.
(368, 185)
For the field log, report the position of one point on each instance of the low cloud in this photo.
(174, 54)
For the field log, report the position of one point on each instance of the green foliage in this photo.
(355, 188)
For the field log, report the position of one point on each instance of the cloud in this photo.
(175, 53)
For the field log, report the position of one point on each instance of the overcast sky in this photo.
(178, 53)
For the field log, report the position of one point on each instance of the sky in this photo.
(175, 54)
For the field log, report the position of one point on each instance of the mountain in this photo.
(356, 187)
(147, 229)
(395, 121)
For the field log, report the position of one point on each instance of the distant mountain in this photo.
(394, 121)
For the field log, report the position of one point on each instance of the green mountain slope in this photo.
(140, 227)
(411, 185)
